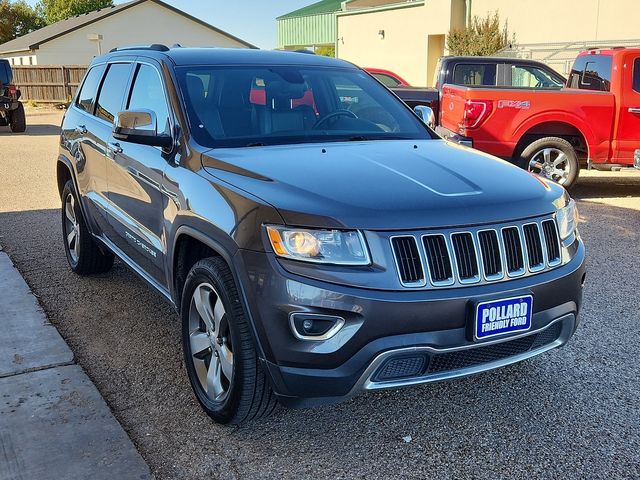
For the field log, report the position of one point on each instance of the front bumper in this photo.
(383, 326)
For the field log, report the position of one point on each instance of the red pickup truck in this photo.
(593, 122)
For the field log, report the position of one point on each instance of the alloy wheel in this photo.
(72, 229)
(210, 342)
(551, 163)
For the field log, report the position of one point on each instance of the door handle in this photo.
(634, 109)
(114, 147)
(81, 129)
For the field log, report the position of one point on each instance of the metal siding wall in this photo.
(309, 30)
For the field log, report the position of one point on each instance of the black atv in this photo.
(11, 110)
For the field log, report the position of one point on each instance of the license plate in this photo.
(501, 317)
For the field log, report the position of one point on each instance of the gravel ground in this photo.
(570, 413)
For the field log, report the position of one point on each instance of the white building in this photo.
(77, 40)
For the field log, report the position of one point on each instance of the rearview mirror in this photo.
(139, 126)
(426, 115)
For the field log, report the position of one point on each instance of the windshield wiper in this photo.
(256, 144)
(358, 138)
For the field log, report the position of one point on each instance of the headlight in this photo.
(320, 246)
(567, 219)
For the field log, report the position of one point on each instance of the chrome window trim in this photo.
(423, 283)
(452, 279)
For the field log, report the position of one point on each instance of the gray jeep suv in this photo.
(316, 237)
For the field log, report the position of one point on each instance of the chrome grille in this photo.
(476, 255)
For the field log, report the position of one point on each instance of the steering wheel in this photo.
(337, 113)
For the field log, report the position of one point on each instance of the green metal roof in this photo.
(324, 6)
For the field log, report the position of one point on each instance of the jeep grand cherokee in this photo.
(315, 236)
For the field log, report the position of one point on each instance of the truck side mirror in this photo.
(139, 126)
(426, 114)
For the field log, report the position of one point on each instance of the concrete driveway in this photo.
(570, 413)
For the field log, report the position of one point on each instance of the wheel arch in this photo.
(566, 127)
(188, 247)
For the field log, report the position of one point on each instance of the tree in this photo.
(483, 36)
(55, 10)
(17, 19)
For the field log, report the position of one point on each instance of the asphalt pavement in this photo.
(570, 413)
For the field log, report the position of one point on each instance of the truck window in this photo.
(474, 74)
(636, 75)
(534, 77)
(386, 80)
(591, 72)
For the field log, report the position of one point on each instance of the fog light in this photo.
(311, 326)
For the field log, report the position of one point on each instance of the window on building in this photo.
(474, 74)
(533, 77)
(636, 75)
(148, 92)
(87, 94)
(112, 91)
(591, 72)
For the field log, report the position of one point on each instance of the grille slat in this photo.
(405, 250)
(534, 245)
(491, 260)
(465, 256)
(513, 249)
(552, 241)
(438, 258)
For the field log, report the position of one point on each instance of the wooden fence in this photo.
(48, 83)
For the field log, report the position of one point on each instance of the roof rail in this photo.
(158, 47)
(304, 50)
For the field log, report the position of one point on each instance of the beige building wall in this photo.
(413, 37)
(548, 21)
(143, 24)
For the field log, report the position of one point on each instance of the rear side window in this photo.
(474, 74)
(6, 75)
(89, 89)
(386, 80)
(591, 72)
(113, 91)
(636, 75)
(148, 93)
(534, 77)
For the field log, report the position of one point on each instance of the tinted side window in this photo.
(591, 72)
(148, 93)
(112, 91)
(474, 75)
(386, 80)
(636, 75)
(89, 89)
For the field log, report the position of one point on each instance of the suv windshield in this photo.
(253, 106)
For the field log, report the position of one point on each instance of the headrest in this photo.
(280, 93)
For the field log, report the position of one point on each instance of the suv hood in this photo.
(385, 185)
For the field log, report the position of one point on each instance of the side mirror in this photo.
(139, 126)
(426, 115)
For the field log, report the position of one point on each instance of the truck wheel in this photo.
(220, 357)
(18, 121)
(553, 158)
(83, 254)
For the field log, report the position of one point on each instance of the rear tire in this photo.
(221, 360)
(18, 121)
(83, 253)
(553, 158)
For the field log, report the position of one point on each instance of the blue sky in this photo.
(251, 20)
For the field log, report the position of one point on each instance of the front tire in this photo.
(553, 158)
(18, 121)
(220, 358)
(83, 253)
